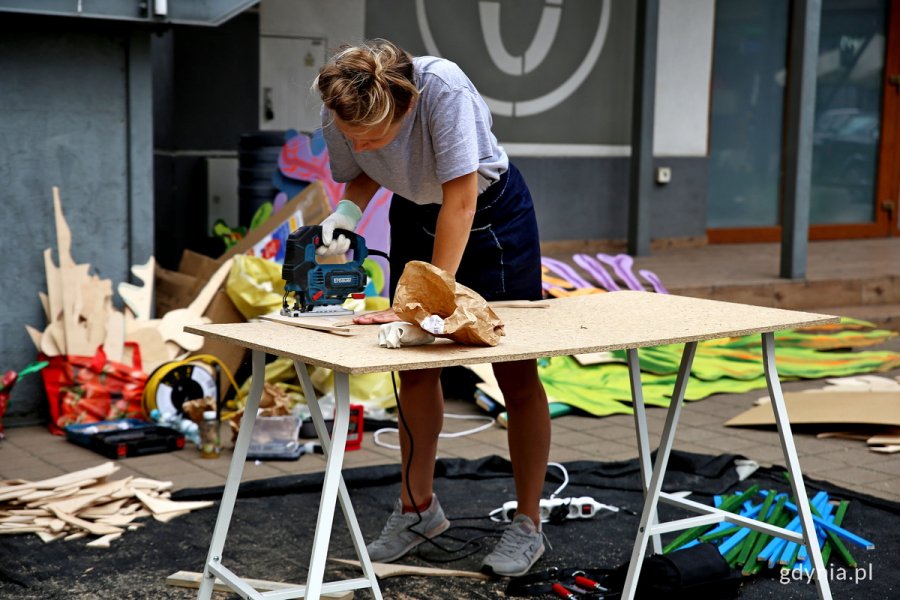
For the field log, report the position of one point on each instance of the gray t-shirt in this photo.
(447, 134)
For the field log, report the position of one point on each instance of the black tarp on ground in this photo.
(271, 534)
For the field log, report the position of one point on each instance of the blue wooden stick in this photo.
(772, 552)
(820, 501)
(839, 531)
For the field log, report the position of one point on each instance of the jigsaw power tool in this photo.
(320, 288)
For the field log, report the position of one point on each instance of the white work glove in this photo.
(400, 333)
(345, 216)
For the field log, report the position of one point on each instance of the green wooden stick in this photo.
(776, 517)
(837, 542)
(732, 555)
(729, 505)
(751, 539)
(709, 537)
(828, 547)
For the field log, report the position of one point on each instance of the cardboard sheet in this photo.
(821, 407)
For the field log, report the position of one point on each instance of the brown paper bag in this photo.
(425, 291)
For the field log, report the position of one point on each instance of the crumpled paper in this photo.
(401, 333)
(431, 297)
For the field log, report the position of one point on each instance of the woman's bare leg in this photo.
(422, 403)
(528, 431)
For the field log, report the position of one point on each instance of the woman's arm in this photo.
(455, 221)
(360, 190)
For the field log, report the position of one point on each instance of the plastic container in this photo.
(209, 435)
(275, 438)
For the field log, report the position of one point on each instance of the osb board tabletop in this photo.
(575, 325)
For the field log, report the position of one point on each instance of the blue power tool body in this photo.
(320, 287)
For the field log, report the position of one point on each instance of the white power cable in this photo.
(488, 423)
(565, 478)
(506, 507)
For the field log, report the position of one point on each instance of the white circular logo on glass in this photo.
(541, 43)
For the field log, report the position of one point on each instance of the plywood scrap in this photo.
(887, 437)
(166, 517)
(82, 500)
(86, 503)
(104, 510)
(191, 579)
(15, 529)
(142, 483)
(95, 528)
(139, 299)
(49, 537)
(172, 325)
(103, 542)
(383, 570)
(313, 323)
(121, 520)
(62, 481)
(160, 506)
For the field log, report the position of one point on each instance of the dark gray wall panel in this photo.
(64, 107)
(216, 83)
(196, 12)
(206, 85)
(587, 198)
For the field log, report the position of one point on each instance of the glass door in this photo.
(850, 110)
(855, 142)
(747, 109)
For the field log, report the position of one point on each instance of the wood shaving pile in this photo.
(86, 503)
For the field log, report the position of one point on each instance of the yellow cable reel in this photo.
(176, 382)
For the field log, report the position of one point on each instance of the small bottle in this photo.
(209, 435)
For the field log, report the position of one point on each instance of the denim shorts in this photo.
(502, 260)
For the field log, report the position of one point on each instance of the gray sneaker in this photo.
(403, 531)
(520, 546)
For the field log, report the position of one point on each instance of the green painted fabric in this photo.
(731, 365)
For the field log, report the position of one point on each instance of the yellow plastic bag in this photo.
(255, 286)
(373, 390)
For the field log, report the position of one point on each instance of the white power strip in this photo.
(584, 507)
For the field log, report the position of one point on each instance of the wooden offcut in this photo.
(192, 579)
(316, 323)
(84, 503)
(383, 570)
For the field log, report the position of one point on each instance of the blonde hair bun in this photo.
(368, 85)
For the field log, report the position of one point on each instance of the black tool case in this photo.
(125, 438)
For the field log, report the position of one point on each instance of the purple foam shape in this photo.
(565, 271)
(621, 266)
(654, 280)
(597, 271)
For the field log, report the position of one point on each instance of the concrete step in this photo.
(881, 292)
(883, 315)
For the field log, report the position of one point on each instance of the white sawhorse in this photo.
(333, 489)
(650, 528)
